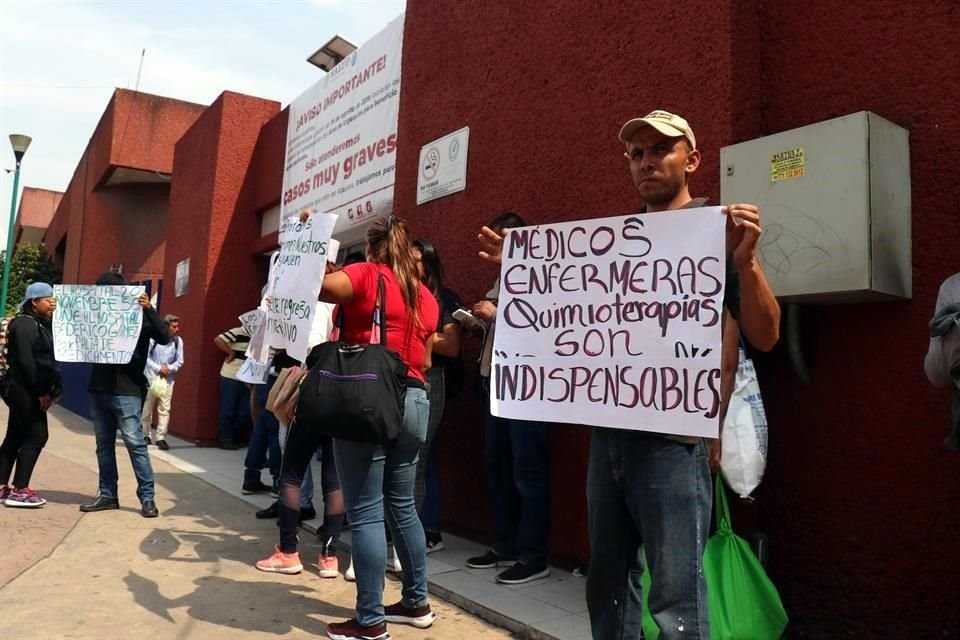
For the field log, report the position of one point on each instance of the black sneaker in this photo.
(490, 560)
(434, 541)
(270, 513)
(162, 445)
(521, 573)
(147, 440)
(254, 487)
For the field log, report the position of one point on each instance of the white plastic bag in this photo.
(743, 441)
(159, 388)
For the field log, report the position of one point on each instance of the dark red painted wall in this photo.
(859, 499)
(210, 223)
(544, 89)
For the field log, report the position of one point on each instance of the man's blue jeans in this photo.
(644, 489)
(110, 414)
(518, 478)
(234, 408)
(264, 438)
(378, 483)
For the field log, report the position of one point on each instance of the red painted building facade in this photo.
(860, 498)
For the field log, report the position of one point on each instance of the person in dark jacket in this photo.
(32, 385)
(116, 400)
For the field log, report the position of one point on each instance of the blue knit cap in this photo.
(38, 290)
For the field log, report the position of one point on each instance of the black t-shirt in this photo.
(449, 302)
(731, 293)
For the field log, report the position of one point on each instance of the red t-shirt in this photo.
(404, 336)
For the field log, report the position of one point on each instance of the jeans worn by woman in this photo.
(427, 487)
(378, 484)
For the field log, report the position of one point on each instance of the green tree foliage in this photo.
(30, 264)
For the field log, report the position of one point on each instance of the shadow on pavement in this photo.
(216, 600)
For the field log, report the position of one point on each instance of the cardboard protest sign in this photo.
(613, 322)
(98, 324)
(296, 279)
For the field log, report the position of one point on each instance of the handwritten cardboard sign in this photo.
(254, 372)
(97, 324)
(296, 278)
(613, 322)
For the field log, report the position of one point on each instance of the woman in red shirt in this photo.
(378, 480)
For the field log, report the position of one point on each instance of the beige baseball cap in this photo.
(667, 123)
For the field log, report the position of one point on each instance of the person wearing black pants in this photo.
(32, 385)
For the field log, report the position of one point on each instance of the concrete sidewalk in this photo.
(187, 574)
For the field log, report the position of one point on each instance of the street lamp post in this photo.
(19, 143)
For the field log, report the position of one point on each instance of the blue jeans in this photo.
(426, 490)
(644, 489)
(264, 446)
(234, 408)
(518, 478)
(110, 413)
(430, 510)
(378, 482)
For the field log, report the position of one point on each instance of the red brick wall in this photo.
(210, 223)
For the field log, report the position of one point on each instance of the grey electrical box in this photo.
(834, 202)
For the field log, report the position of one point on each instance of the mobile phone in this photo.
(467, 319)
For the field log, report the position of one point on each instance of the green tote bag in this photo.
(744, 604)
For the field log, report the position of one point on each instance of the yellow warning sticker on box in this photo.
(786, 165)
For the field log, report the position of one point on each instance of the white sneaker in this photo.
(393, 560)
(349, 575)
(393, 565)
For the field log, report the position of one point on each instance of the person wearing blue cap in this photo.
(31, 385)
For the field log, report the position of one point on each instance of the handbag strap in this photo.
(378, 329)
(720, 508)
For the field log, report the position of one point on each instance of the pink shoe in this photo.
(329, 567)
(5, 492)
(24, 498)
(280, 562)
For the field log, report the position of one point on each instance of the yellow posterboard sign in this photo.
(786, 165)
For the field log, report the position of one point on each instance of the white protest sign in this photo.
(251, 320)
(254, 372)
(613, 322)
(342, 136)
(97, 324)
(295, 282)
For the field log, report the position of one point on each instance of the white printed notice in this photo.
(342, 136)
(296, 278)
(97, 324)
(613, 322)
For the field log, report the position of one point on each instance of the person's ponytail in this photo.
(388, 242)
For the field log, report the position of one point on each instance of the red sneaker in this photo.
(420, 617)
(353, 630)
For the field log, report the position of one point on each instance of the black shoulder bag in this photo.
(355, 391)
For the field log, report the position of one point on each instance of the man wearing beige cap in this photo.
(649, 489)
